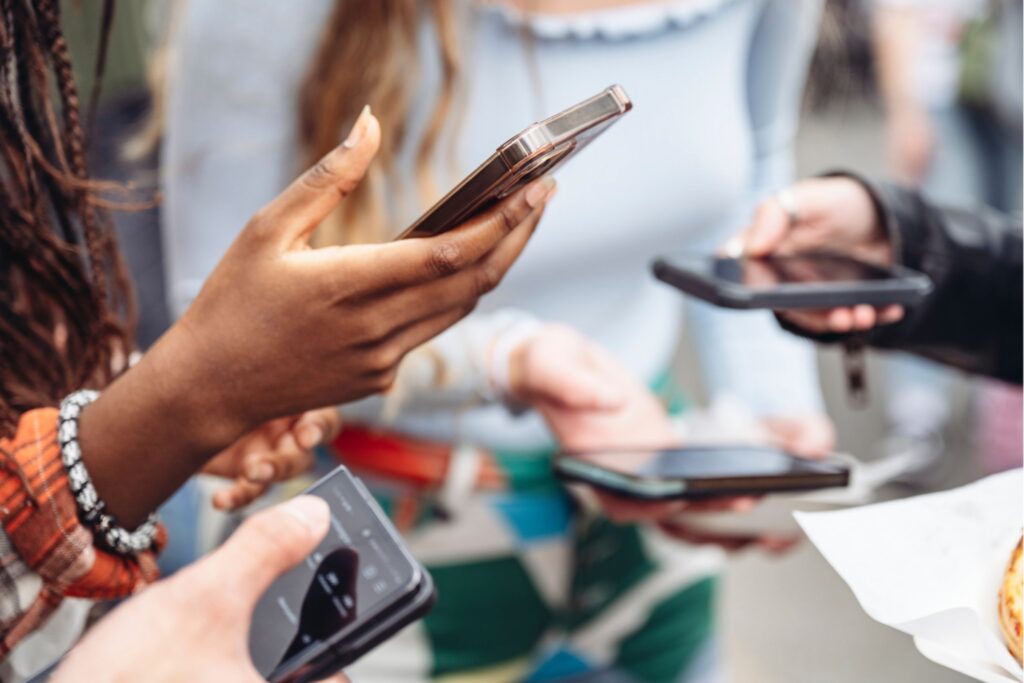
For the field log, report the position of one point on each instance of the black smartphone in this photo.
(697, 472)
(812, 280)
(536, 151)
(357, 589)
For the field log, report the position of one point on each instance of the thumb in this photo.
(291, 217)
(768, 229)
(268, 544)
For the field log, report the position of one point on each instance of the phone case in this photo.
(358, 644)
(414, 605)
(535, 152)
(905, 287)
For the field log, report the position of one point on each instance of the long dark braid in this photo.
(65, 303)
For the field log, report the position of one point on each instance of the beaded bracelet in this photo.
(91, 510)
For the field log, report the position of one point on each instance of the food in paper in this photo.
(1010, 603)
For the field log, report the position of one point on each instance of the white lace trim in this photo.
(616, 23)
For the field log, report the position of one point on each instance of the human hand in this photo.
(339, 318)
(275, 451)
(809, 436)
(593, 406)
(834, 214)
(281, 328)
(195, 625)
(558, 367)
(588, 399)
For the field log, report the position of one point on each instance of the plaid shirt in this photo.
(45, 552)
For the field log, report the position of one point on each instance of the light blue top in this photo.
(716, 86)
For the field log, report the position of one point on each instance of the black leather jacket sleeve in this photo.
(972, 319)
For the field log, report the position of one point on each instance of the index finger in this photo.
(767, 230)
(416, 260)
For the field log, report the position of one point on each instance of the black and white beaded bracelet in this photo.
(91, 510)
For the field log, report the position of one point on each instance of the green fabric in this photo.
(976, 62)
(487, 613)
(490, 612)
(609, 559)
(675, 630)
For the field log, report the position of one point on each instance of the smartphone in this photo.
(535, 152)
(812, 280)
(357, 589)
(698, 472)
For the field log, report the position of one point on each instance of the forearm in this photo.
(151, 430)
(895, 31)
(972, 319)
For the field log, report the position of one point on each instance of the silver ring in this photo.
(787, 200)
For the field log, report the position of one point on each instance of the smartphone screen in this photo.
(699, 471)
(357, 570)
(710, 463)
(767, 273)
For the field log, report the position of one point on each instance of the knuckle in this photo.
(372, 329)
(488, 277)
(385, 359)
(260, 224)
(323, 173)
(510, 216)
(445, 258)
(383, 381)
(466, 310)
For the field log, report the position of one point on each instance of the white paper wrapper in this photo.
(931, 566)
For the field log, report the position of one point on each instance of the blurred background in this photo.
(898, 88)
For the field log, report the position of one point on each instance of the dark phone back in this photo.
(537, 151)
(696, 472)
(358, 588)
(813, 280)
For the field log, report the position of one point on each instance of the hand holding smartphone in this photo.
(818, 280)
(357, 589)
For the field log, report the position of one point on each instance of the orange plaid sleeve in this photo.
(39, 515)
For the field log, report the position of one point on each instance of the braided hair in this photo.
(65, 303)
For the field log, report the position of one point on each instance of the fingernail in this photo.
(734, 247)
(356, 134)
(744, 505)
(893, 314)
(311, 511)
(540, 191)
(309, 436)
(259, 471)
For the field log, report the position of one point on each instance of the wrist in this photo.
(187, 390)
(876, 244)
(152, 429)
(507, 359)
